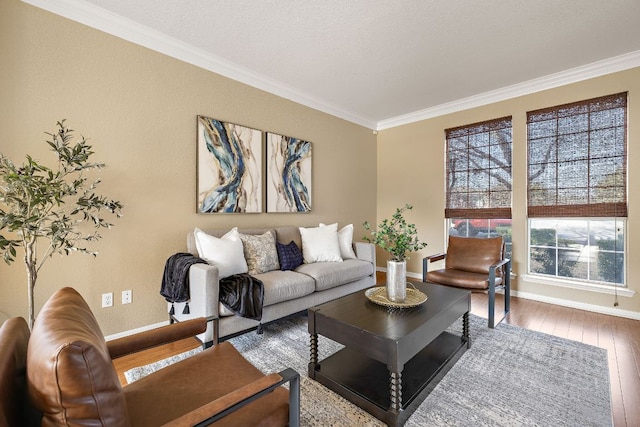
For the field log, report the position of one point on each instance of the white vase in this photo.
(396, 281)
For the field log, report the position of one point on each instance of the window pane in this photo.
(578, 249)
(569, 264)
(543, 261)
(543, 233)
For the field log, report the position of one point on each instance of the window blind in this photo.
(479, 170)
(577, 159)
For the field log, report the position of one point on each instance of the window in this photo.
(577, 204)
(583, 249)
(478, 199)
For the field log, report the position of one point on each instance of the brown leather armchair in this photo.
(475, 264)
(15, 407)
(71, 379)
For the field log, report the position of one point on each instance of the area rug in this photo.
(509, 377)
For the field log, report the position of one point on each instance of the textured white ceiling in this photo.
(376, 61)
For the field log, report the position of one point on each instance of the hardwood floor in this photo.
(619, 336)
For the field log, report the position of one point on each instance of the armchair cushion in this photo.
(460, 279)
(71, 377)
(473, 255)
(232, 371)
(15, 408)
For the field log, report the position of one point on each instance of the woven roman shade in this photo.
(479, 170)
(578, 159)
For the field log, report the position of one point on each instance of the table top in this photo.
(357, 311)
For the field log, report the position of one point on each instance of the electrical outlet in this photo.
(107, 300)
(126, 297)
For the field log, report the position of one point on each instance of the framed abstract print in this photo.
(288, 174)
(229, 173)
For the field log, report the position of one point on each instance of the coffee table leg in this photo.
(314, 348)
(313, 363)
(465, 328)
(395, 390)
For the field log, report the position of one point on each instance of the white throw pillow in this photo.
(345, 239)
(320, 244)
(226, 252)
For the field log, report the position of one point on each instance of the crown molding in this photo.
(103, 20)
(595, 69)
(108, 22)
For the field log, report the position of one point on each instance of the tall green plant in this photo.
(395, 235)
(38, 203)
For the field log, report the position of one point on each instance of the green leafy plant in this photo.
(395, 235)
(38, 203)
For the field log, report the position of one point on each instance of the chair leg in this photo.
(294, 401)
(507, 288)
(492, 304)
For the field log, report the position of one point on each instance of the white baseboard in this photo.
(135, 331)
(611, 311)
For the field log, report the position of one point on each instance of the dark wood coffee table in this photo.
(393, 358)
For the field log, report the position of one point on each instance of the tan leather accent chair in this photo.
(476, 264)
(72, 381)
(15, 407)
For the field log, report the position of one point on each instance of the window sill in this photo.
(591, 287)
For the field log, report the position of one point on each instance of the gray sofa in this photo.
(285, 292)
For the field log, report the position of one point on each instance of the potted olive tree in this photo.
(398, 238)
(43, 204)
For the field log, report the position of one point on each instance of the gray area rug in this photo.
(510, 377)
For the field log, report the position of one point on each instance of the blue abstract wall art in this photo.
(229, 167)
(288, 174)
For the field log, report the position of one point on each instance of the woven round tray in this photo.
(378, 295)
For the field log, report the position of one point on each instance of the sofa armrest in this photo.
(204, 290)
(365, 251)
(219, 408)
(143, 340)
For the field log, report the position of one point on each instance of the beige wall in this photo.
(411, 169)
(139, 108)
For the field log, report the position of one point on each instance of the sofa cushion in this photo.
(260, 252)
(328, 275)
(290, 255)
(226, 252)
(320, 244)
(288, 234)
(345, 240)
(71, 377)
(284, 286)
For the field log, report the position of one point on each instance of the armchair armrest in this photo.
(436, 257)
(500, 264)
(155, 337)
(506, 262)
(223, 406)
(431, 258)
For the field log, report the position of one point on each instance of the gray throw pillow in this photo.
(260, 252)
